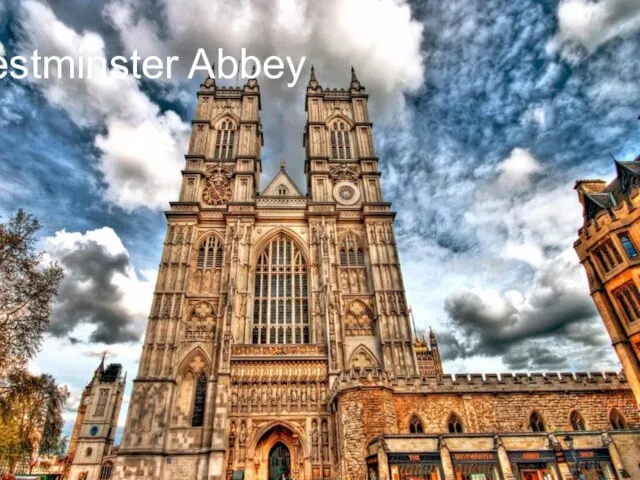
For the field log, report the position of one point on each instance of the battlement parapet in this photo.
(479, 383)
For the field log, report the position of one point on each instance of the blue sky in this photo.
(485, 114)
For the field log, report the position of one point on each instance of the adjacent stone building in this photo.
(280, 344)
(608, 250)
(91, 449)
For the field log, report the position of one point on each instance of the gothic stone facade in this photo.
(608, 249)
(279, 341)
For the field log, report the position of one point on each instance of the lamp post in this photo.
(575, 472)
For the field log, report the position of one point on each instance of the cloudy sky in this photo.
(485, 113)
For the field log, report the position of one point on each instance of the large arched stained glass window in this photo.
(280, 308)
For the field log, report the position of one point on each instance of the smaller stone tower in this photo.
(609, 250)
(91, 443)
(428, 355)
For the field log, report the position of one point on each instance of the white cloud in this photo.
(593, 23)
(517, 169)
(117, 104)
(385, 49)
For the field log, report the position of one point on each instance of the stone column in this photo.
(616, 459)
(503, 459)
(383, 463)
(445, 459)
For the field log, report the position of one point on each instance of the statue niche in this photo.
(358, 319)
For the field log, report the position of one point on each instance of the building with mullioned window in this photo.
(280, 344)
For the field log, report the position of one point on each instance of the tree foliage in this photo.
(31, 417)
(31, 406)
(27, 288)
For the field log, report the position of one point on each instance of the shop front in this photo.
(415, 466)
(476, 465)
(539, 465)
(593, 464)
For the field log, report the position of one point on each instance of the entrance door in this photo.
(279, 462)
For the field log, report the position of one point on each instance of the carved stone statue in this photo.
(242, 440)
(325, 441)
(314, 441)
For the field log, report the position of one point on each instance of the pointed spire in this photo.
(432, 337)
(312, 78)
(353, 75)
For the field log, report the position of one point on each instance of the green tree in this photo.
(27, 288)
(31, 419)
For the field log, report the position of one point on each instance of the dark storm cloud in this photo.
(90, 294)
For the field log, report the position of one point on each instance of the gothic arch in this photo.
(454, 423)
(415, 424)
(362, 357)
(339, 116)
(195, 364)
(262, 243)
(258, 435)
(185, 365)
(537, 422)
(215, 123)
(359, 319)
(206, 263)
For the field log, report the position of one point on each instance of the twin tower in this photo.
(265, 296)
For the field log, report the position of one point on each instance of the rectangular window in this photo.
(102, 402)
(628, 245)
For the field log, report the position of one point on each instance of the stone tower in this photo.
(608, 247)
(91, 442)
(264, 297)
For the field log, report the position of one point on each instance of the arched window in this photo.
(105, 472)
(224, 140)
(210, 254)
(415, 425)
(455, 424)
(618, 422)
(197, 419)
(577, 422)
(88, 452)
(340, 143)
(354, 271)
(283, 190)
(280, 309)
(536, 423)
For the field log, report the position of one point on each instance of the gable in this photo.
(282, 186)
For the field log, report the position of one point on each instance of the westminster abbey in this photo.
(280, 344)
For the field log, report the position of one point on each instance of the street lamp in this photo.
(575, 472)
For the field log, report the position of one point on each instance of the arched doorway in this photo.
(279, 446)
(279, 462)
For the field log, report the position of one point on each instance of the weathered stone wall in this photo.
(509, 412)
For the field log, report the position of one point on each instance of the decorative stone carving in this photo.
(358, 319)
(314, 441)
(325, 441)
(344, 172)
(201, 325)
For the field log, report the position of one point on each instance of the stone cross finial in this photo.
(283, 163)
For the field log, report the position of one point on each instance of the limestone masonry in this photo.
(280, 344)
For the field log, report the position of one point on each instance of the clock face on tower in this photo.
(217, 189)
(216, 192)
